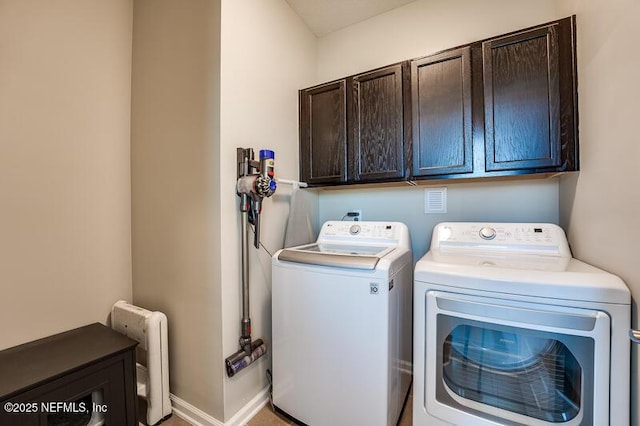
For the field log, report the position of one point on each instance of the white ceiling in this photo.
(325, 16)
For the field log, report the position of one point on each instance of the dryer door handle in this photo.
(634, 335)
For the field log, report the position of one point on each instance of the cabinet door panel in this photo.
(323, 133)
(522, 100)
(441, 110)
(377, 143)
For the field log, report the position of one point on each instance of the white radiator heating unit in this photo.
(150, 330)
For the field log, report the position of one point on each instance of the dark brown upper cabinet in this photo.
(323, 133)
(376, 145)
(529, 100)
(352, 130)
(441, 114)
(503, 106)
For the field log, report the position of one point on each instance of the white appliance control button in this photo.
(487, 233)
(354, 230)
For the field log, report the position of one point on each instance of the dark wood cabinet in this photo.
(529, 86)
(503, 106)
(58, 379)
(352, 130)
(323, 133)
(376, 145)
(442, 114)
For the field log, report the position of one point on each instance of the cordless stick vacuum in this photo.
(255, 181)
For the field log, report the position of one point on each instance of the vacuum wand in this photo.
(256, 181)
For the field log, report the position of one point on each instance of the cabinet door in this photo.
(376, 147)
(323, 133)
(113, 379)
(522, 100)
(441, 112)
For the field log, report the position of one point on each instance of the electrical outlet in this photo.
(358, 215)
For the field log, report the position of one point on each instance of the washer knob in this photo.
(487, 233)
(354, 229)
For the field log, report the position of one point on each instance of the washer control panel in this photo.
(529, 237)
(360, 229)
(365, 232)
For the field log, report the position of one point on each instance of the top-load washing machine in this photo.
(509, 329)
(341, 311)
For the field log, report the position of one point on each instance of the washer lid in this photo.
(336, 255)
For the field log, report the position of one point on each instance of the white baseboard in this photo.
(250, 409)
(197, 417)
(193, 415)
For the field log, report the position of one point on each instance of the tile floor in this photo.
(174, 421)
(266, 417)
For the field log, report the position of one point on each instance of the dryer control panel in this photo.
(541, 238)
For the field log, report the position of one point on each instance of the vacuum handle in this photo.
(257, 206)
(267, 163)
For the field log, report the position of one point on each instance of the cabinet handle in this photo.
(634, 335)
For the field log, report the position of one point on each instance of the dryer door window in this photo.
(529, 373)
(510, 362)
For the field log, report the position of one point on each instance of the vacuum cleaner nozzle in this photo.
(240, 359)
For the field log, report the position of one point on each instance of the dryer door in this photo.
(505, 362)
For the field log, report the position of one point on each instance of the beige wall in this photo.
(209, 77)
(419, 29)
(267, 55)
(175, 187)
(600, 207)
(64, 164)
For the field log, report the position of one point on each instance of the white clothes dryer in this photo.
(509, 329)
(341, 311)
